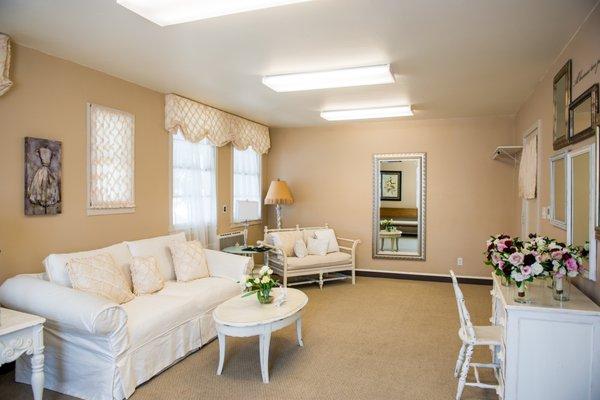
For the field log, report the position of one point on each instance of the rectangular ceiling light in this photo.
(367, 113)
(357, 76)
(171, 12)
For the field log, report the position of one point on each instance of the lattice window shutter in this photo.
(111, 158)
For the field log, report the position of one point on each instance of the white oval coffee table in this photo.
(245, 316)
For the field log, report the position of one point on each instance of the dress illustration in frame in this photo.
(43, 176)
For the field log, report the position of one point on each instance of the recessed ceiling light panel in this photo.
(357, 76)
(367, 113)
(171, 12)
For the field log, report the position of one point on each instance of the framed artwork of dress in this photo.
(391, 185)
(43, 176)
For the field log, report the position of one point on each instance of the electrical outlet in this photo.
(459, 262)
(225, 209)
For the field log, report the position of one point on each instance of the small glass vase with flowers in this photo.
(262, 284)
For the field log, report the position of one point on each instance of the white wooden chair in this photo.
(472, 336)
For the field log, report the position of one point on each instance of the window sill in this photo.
(243, 224)
(109, 211)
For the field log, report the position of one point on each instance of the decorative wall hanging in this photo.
(5, 83)
(43, 180)
(583, 115)
(391, 185)
(197, 121)
(562, 99)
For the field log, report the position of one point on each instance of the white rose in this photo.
(270, 271)
(248, 284)
(537, 268)
(572, 274)
(264, 269)
(265, 279)
(256, 280)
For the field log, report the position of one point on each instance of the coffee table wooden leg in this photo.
(265, 342)
(221, 352)
(299, 332)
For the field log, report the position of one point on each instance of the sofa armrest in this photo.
(226, 265)
(275, 251)
(352, 244)
(63, 307)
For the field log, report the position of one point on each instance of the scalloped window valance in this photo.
(197, 121)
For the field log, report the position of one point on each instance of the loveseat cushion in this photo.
(314, 261)
(205, 294)
(157, 247)
(56, 264)
(286, 240)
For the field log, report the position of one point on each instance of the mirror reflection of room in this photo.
(398, 209)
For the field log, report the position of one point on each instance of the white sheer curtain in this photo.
(246, 179)
(194, 190)
(528, 168)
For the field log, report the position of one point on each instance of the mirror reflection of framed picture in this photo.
(391, 185)
(583, 115)
(561, 99)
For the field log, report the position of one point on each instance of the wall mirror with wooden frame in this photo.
(558, 190)
(399, 206)
(583, 115)
(561, 99)
(581, 203)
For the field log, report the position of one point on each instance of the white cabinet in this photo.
(550, 351)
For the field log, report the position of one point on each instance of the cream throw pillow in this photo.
(189, 261)
(145, 275)
(101, 276)
(286, 240)
(328, 234)
(317, 247)
(300, 249)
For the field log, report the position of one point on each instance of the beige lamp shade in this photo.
(279, 193)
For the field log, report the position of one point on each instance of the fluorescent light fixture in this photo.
(367, 113)
(357, 76)
(171, 12)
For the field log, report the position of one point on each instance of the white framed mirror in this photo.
(399, 206)
(558, 190)
(581, 203)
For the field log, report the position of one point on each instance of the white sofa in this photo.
(97, 349)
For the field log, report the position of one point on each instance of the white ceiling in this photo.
(452, 58)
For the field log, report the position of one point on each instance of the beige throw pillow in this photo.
(300, 249)
(328, 234)
(101, 276)
(286, 240)
(145, 275)
(317, 247)
(189, 261)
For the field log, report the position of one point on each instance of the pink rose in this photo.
(571, 264)
(501, 246)
(516, 258)
(557, 255)
(500, 264)
(526, 270)
(496, 258)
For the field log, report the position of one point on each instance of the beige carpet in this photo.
(380, 339)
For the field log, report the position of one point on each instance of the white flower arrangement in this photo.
(261, 284)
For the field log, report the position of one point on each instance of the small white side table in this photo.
(20, 334)
(245, 316)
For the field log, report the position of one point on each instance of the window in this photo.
(111, 160)
(246, 179)
(193, 203)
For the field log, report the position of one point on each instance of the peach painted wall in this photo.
(583, 50)
(469, 196)
(48, 100)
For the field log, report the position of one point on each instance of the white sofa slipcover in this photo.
(97, 349)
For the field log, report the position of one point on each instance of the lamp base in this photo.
(278, 212)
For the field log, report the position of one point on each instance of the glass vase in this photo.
(504, 280)
(264, 296)
(561, 288)
(522, 293)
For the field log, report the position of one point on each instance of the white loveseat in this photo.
(97, 349)
(286, 264)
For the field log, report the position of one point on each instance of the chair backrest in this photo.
(296, 228)
(463, 313)
(232, 239)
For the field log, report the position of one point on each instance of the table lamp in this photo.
(278, 194)
(247, 210)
